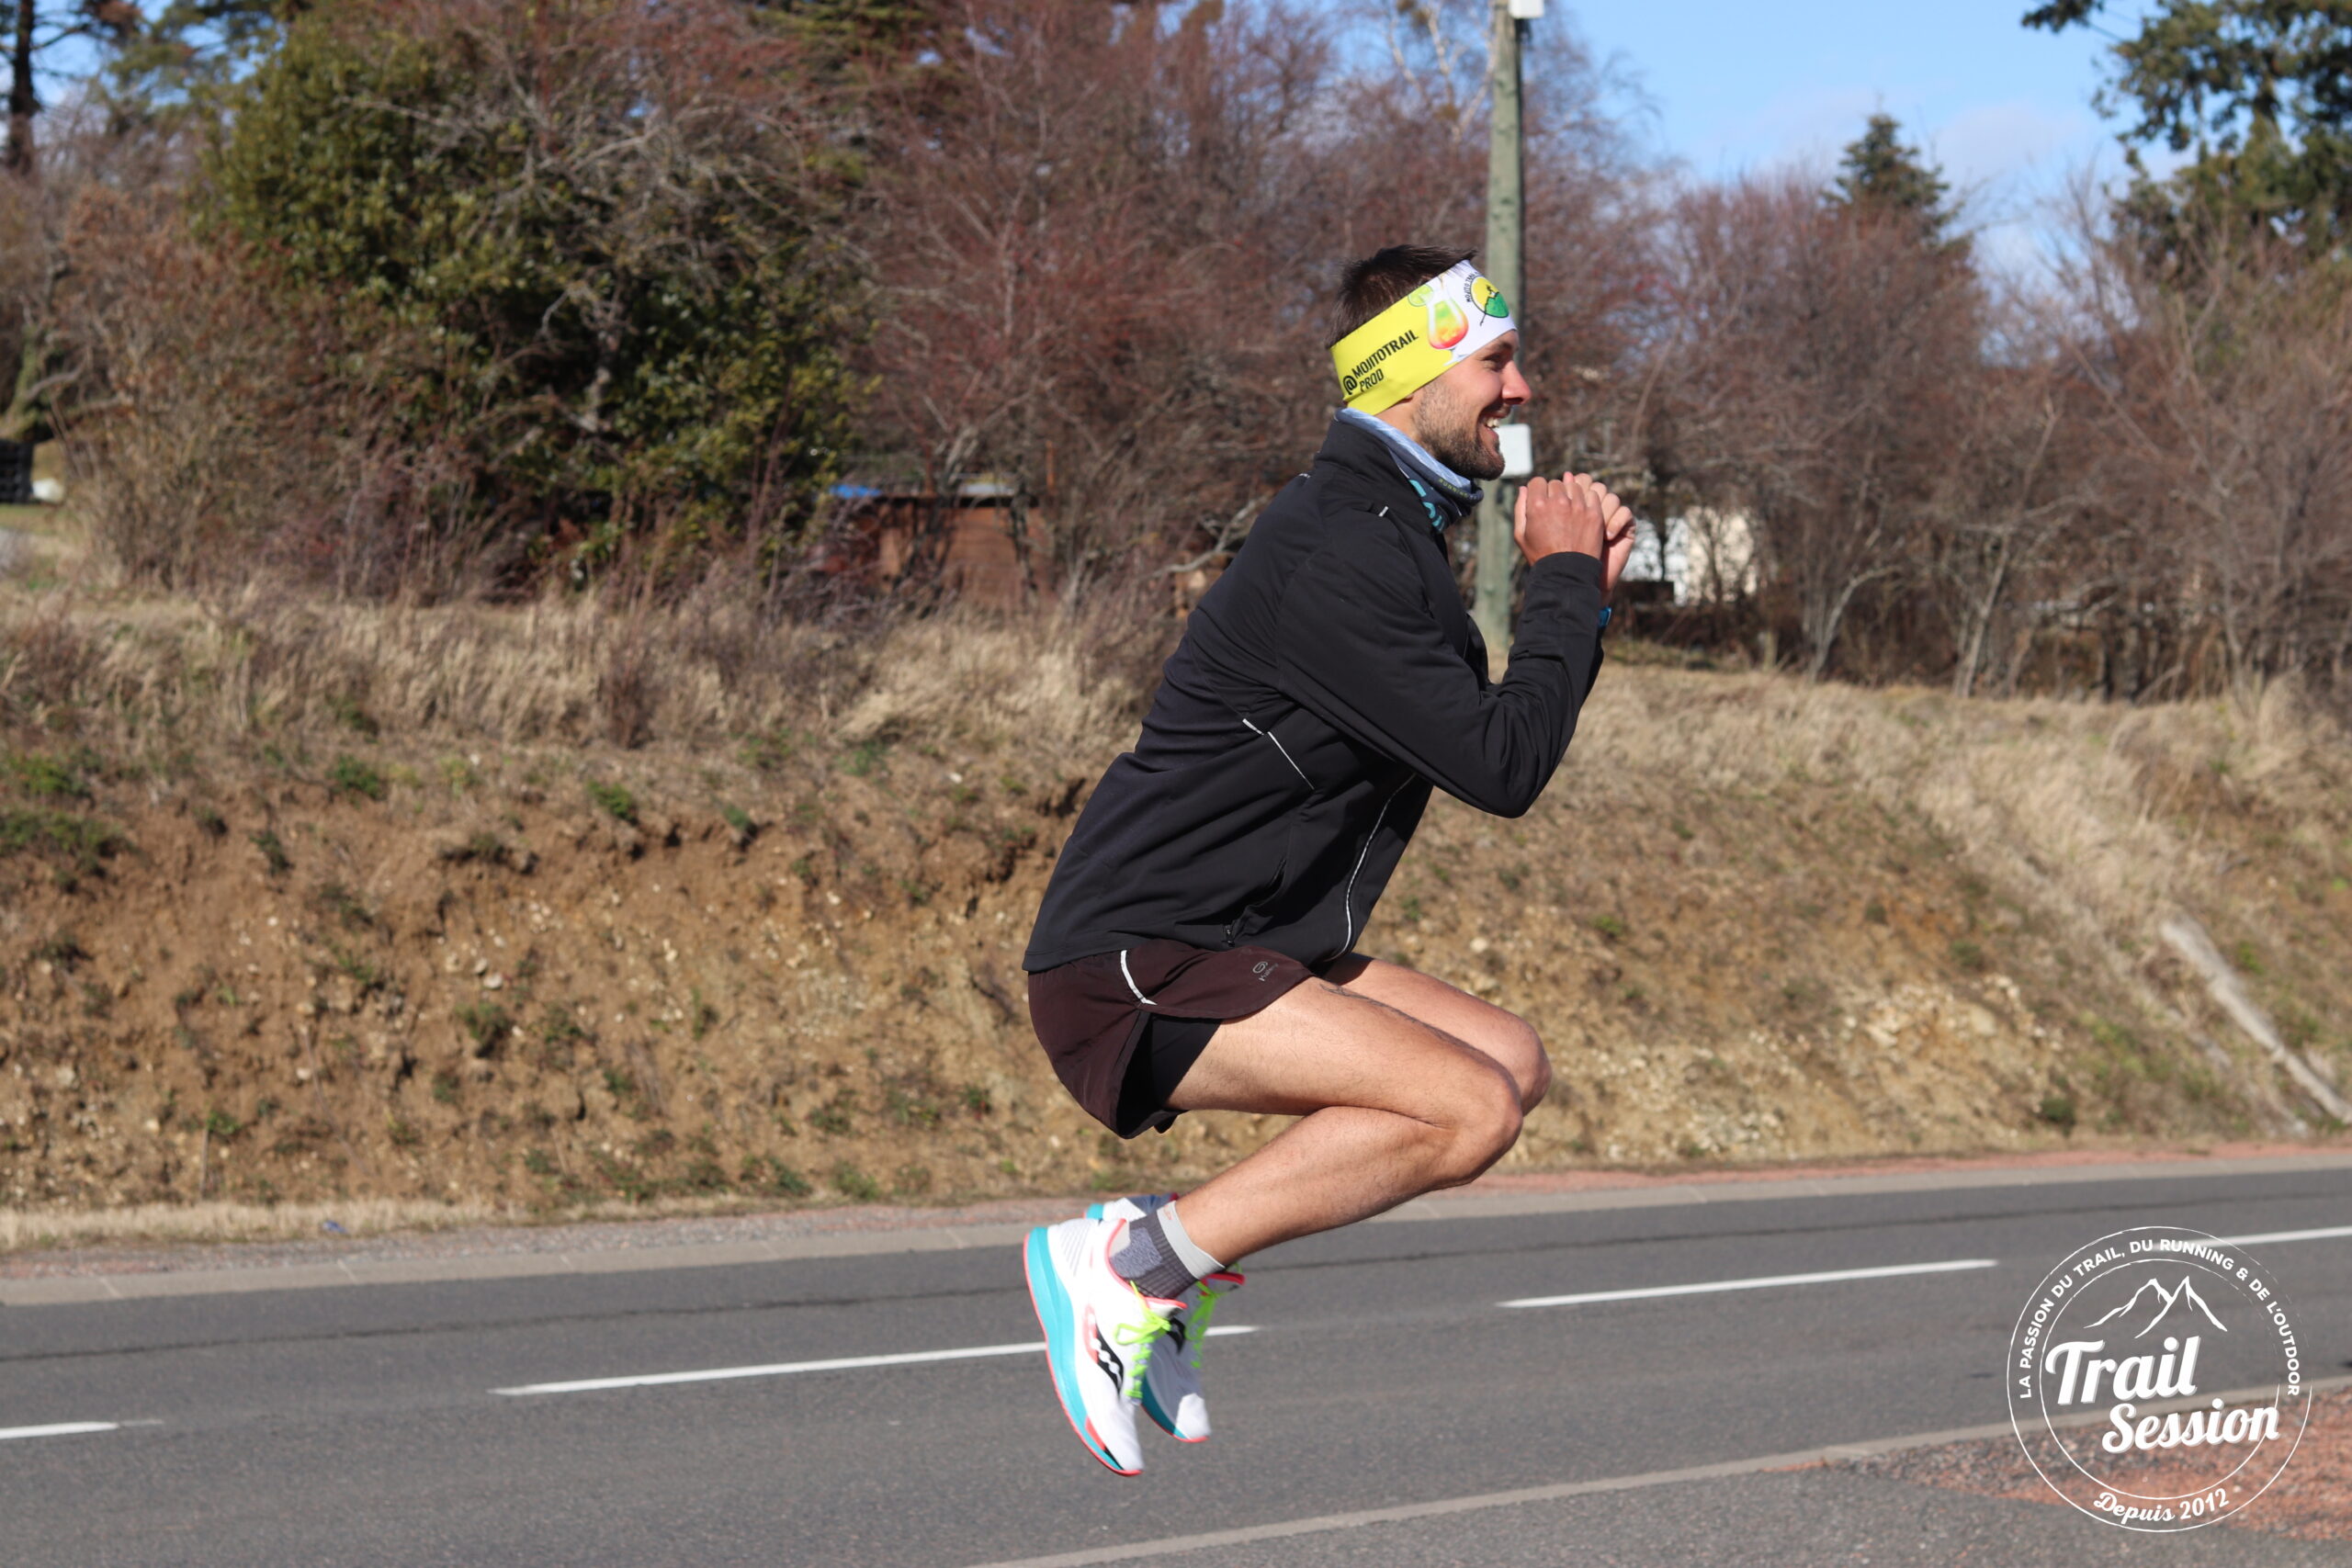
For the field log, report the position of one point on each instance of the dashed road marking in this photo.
(2324, 1234)
(788, 1368)
(57, 1429)
(1760, 1283)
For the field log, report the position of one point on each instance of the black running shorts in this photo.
(1124, 1028)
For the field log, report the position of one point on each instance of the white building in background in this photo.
(1709, 557)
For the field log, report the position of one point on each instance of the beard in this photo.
(1454, 434)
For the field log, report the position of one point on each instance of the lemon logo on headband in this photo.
(1488, 298)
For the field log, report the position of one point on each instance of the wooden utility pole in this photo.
(1506, 196)
(23, 101)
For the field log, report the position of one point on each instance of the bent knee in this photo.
(1483, 1125)
(1513, 1044)
(1535, 1077)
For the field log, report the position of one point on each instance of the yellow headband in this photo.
(1419, 338)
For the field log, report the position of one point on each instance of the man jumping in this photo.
(1194, 950)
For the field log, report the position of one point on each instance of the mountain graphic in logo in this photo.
(2184, 1292)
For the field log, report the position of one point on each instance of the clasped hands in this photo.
(1579, 514)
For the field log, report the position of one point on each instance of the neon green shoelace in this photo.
(1198, 1334)
(1139, 1339)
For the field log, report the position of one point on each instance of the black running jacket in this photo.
(1324, 683)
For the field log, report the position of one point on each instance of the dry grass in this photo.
(1003, 685)
(567, 670)
(2092, 813)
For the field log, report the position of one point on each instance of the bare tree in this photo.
(35, 30)
(1105, 243)
(1995, 524)
(1815, 362)
(2224, 404)
(1102, 243)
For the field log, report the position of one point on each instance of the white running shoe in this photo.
(1100, 1333)
(1172, 1395)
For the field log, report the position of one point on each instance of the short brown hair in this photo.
(1372, 285)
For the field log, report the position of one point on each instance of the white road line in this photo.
(974, 1352)
(787, 1368)
(1762, 1283)
(2331, 1231)
(62, 1429)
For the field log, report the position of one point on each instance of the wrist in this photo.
(1576, 565)
(1592, 555)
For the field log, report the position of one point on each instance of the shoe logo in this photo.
(1107, 1358)
(1176, 1332)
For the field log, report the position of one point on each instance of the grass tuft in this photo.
(613, 799)
(273, 851)
(349, 775)
(486, 1023)
(82, 843)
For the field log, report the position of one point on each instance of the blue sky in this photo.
(1735, 85)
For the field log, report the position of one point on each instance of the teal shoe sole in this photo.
(1052, 1305)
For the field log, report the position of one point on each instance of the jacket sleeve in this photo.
(1361, 648)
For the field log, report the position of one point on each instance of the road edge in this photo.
(85, 1288)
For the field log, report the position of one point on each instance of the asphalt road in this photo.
(362, 1424)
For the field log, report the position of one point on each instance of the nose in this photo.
(1515, 387)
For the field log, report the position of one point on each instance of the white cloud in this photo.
(1981, 146)
(1992, 142)
(1805, 125)
(2009, 163)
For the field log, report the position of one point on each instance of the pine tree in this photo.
(2258, 93)
(1880, 177)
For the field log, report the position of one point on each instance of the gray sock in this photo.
(1172, 1225)
(1151, 1261)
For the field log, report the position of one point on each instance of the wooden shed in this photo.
(975, 541)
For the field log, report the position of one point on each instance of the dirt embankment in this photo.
(356, 951)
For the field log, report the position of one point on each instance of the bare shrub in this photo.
(207, 438)
(2138, 484)
(1075, 231)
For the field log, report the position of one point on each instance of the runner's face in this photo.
(1454, 416)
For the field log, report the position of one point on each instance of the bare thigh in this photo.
(1506, 1037)
(1390, 1106)
(1322, 1044)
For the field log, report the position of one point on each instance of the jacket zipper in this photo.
(1233, 926)
(1347, 898)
